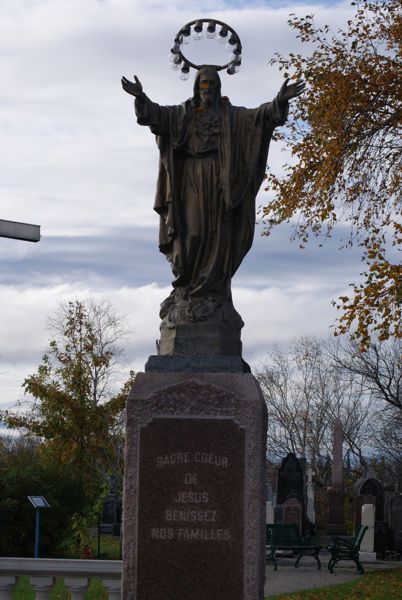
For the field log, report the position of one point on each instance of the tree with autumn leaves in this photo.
(345, 141)
(71, 431)
(73, 408)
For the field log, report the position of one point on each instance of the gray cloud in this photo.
(128, 256)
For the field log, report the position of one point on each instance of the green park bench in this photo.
(287, 537)
(343, 548)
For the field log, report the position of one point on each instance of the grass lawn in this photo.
(382, 585)
(109, 547)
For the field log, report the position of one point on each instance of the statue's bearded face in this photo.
(208, 87)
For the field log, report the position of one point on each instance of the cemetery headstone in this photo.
(367, 553)
(337, 460)
(291, 486)
(396, 522)
(111, 515)
(389, 493)
(290, 479)
(383, 540)
(335, 494)
(278, 513)
(370, 492)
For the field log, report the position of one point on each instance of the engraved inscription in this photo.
(180, 458)
(162, 533)
(186, 497)
(191, 503)
(174, 461)
(204, 516)
(204, 534)
(192, 497)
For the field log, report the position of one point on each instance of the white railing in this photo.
(42, 573)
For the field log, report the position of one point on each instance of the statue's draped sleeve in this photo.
(244, 153)
(167, 123)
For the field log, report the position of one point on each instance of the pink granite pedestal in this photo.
(194, 496)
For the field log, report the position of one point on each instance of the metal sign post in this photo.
(38, 502)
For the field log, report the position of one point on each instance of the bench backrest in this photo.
(280, 533)
(359, 537)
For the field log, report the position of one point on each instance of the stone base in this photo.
(367, 557)
(194, 493)
(201, 325)
(200, 338)
(196, 364)
(336, 513)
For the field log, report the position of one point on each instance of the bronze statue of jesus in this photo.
(213, 157)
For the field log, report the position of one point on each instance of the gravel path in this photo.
(288, 579)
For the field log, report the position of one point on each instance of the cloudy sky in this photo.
(74, 161)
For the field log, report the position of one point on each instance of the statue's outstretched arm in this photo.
(148, 113)
(276, 112)
(133, 88)
(287, 92)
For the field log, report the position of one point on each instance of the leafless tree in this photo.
(304, 394)
(108, 328)
(379, 370)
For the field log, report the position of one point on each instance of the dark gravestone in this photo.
(290, 479)
(396, 522)
(371, 492)
(389, 494)
(111, 515)
(190, 510)
(372, 487)
(291, 485)
(278, 513)
(383, 539)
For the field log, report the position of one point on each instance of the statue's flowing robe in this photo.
(209, 175)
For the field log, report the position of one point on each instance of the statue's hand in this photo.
(287, 92)
(135, 89)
